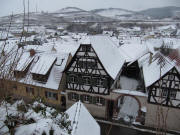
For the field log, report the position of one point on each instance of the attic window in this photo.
(86, 80)
(86, 48)
(72, 79)
(87, 64)
(171, 77)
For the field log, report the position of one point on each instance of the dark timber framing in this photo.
(166, 91)
(86, 73)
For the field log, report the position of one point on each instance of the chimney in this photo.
(32, 52)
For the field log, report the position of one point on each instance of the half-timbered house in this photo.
(93, 70)
(162, 82)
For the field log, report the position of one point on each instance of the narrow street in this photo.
(118, 130)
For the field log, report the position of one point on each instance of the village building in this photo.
(40, 75)
(162, 82)
(131, 70)
(93, 70)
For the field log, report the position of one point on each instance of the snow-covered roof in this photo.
(82, 121)
(24, 61)
(55, 73)
(43, 65)
(133, 51)
(152, 72)
(167, 27)
(130, 92)
(107, 52)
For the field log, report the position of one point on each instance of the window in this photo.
(99, 82)
(176, 85)
(91, 64)
(86, 80)
(51, 95)
(100, 101)
(86, 48)
(82, 64)
(74, 96)
(172, 93)
(30, 90)
(86, 98)
(87, 64)
(40, 78)
(14, 87)
(72, 79)
(171, 77)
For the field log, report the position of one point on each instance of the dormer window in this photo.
(42, 68)
(23, 65)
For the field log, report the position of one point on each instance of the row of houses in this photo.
(94, 76)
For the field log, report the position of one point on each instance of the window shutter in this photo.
(46, 94)
(103, 101)
(94, 100)
(90, 99)
(82, 98)
(70, 96)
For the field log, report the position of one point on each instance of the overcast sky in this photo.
(16, 6)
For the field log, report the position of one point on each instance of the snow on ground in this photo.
(75, 121)
(113, 12)
(44, 119)
(128, 109)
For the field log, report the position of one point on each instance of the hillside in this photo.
(160, 13)
(112, 12)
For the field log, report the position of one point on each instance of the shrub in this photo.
(38, 108)
(22, 108)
